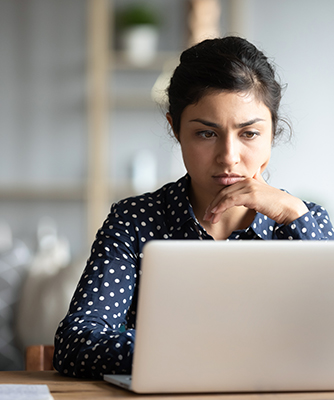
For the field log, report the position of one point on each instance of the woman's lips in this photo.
(227, 179)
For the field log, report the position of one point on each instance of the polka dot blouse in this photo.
(98, 333)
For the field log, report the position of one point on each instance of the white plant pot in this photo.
(140, 44)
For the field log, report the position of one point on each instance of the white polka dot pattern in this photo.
(97, 335)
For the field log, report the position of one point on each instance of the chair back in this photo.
(39, 358)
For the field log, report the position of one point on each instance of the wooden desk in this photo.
(63, 388)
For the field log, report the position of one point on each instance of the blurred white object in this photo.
(47, 233)
(14, 263)
(158, 92)
(144, 172)
(140, 44)
(48, 288)
(53, 251)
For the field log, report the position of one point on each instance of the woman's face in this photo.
(224, 138)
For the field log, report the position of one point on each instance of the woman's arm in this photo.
(294, 218)
(97, 335)
(314, 225)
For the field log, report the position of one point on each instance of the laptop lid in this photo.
(217, 316)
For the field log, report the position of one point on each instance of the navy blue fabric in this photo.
(97, 335)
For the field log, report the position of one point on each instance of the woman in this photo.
(223, 110)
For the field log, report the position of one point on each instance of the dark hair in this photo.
(229, 64)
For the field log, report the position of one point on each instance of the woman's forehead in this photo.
(223, 103)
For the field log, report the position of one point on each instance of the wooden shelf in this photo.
(119, 62)
(66, 192)
(138, 100)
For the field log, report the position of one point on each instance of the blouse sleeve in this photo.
(314, 225)
(96, 337)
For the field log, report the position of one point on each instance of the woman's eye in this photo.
(206, 134)
(250, 134)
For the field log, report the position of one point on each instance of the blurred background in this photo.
(82, 125)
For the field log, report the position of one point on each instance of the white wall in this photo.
(298, 35)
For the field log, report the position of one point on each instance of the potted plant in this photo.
(138, 24)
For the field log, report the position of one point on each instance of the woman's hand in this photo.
(255, 194)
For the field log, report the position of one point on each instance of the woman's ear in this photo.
(170, 121)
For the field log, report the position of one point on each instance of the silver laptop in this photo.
(241, 316)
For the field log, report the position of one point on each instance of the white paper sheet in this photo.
(25, 392)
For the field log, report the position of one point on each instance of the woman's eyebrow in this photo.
(205, 122)
(237, 126)
(250, 122)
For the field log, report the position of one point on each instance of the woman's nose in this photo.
(228, 152)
